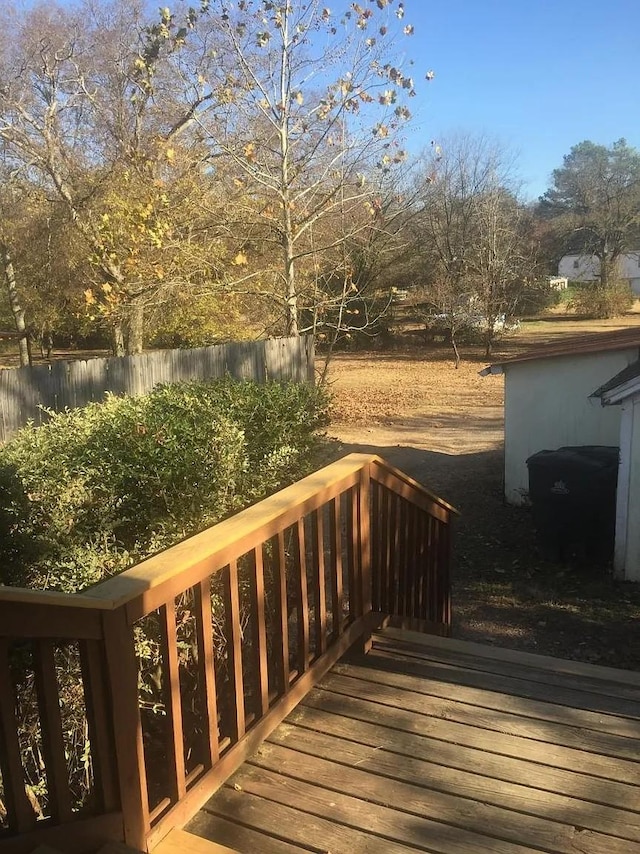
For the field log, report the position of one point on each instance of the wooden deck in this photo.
(436, 745)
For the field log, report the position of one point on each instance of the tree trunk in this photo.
(291, 305)
(288, 240)
(454, 345)
(16, 309)
(604, 273)
(117, 339)
(135, 328)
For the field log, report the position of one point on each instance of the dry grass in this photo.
(445, 426)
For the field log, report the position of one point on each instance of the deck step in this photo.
(181, 842)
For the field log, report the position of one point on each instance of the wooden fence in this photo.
(189, 660)
(60, 385)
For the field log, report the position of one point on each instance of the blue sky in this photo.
(539, 75)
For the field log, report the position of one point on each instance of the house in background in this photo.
(550, 403)
(586, 268)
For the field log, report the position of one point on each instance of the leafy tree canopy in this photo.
(595, 201)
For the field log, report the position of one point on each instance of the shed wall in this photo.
(547, 405)
(627, 551)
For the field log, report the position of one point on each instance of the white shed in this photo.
(554, 397)
(623, 391)
(549, 403)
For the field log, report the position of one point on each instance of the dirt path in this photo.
(445, 427)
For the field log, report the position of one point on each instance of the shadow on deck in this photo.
(436, 745)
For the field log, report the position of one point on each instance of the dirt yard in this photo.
(445, 427)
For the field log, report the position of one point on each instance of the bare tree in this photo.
(471, 226)
(311, 107)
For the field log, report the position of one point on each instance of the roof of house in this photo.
(591, 254)
(623, 385)
(597, 342)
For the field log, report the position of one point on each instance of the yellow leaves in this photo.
(170, 154)
(249, 152)
(388, 97)
(106, 288)
(299, 98)
(89, 297)
(240, 260)
(381, 131)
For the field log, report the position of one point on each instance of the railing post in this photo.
(122, 674)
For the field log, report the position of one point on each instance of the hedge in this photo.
(97, 489)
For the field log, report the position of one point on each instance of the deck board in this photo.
(436, 749)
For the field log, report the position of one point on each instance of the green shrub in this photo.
(98, 488)
(594, 301)
(537, 298)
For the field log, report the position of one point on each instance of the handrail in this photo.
(308, 572)
(191, 560)
(379, 466)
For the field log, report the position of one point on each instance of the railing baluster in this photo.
(51, 724)
(402, 558)
(394, 580)
(282, 637)
(173, 702)
(412, 570)
(303, 600)
(444, 585)
(376, 551)
(337, 593)
(385, 580)
(234, 647)
(100, 727)
(320, 592)
(364, 550)
(260, 637)
(20, 814)
(422, 535)
(432, 575)
(207, 671)
(352, 551)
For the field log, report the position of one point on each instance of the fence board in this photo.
(67, 385)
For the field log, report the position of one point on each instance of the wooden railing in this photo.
(190, 659)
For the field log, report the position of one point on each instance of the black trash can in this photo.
(573, 495)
